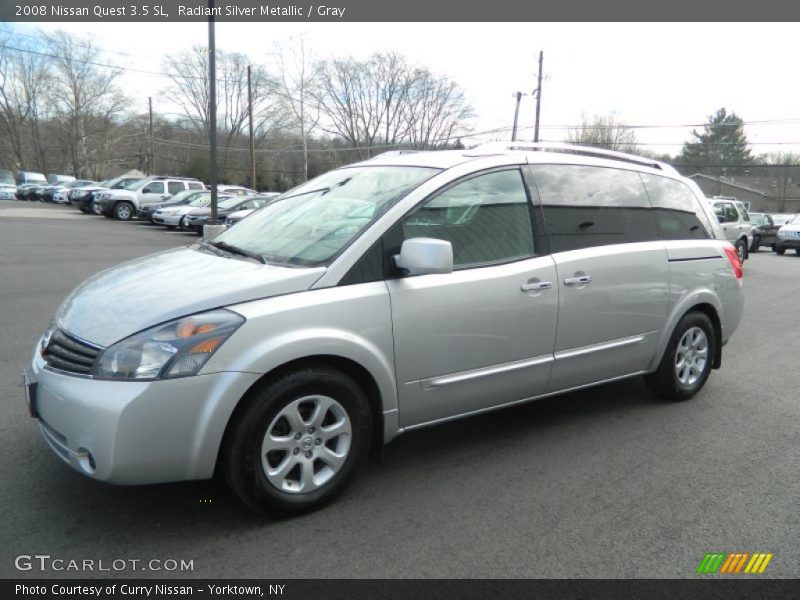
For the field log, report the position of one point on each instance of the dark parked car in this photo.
(195, 220)
(764, 231)
(146, 211)
(26, 191)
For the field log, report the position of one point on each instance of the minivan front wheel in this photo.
(687, 361)
(298, 441)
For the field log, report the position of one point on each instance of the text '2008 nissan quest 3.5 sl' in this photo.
(393, 294)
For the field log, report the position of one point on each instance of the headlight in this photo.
(175, 349)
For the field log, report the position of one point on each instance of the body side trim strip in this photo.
(604, 346)
(515, 402)
(434, 382)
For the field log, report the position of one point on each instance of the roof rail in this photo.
(500, 147)
(390, 153)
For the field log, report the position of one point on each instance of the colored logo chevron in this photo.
(734, 563)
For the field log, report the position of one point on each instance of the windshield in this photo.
(181, 196)
(311, 223)
(132, 184)
(201, 201)
(229, 202)
(796, 220)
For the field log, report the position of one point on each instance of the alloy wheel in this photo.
(306, 444)
(691, 356)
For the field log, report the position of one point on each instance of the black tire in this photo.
(780, 250)
(756, 243)
(124, 211)
(797, 251)
(741, 249)
(182, 224)
(664, 381)
(240, 459)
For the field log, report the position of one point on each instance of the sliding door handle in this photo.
(582, 280)
(539, 285)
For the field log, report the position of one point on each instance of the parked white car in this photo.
(8, 191)
(172, 216)
(789, 236)
(235, 190)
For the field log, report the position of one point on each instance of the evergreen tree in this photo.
(720, 149)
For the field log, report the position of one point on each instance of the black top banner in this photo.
(399, 11)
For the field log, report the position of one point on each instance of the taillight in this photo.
(733, 256)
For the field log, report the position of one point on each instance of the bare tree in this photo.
(24, 105)
(189, 74)
(384, 101)
(296, 88)
(84, 96)
(604, 131)
(781, 177)
(437, 113)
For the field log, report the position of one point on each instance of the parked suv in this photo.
(379, 298)
(124, 204)
(735, 221)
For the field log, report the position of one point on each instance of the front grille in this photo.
(70, 354)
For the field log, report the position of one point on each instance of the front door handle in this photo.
(582, 280)
(539, 285)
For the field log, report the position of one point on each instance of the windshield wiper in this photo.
(236, 250)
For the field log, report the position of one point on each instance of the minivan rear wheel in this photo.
(687, 361)
(298, 441)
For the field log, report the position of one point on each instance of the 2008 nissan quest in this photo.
(381, 297)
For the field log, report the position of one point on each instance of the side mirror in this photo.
(720, 218)
(425, 256)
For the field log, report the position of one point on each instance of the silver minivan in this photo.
(382, 297)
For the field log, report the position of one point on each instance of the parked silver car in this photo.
(379, 298)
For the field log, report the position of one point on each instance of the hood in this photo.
(133, 296)
(789, 227)
(240, 214)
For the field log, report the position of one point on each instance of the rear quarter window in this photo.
(678, 213)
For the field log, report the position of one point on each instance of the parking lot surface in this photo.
(608, 482)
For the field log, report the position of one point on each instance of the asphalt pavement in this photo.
(609, 482)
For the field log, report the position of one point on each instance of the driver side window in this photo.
(487, 219)
(156, 187)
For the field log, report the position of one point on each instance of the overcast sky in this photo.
(648, 74)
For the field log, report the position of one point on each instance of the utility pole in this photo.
(212, 110)
(151, 157)
(252, 142)
(516, 117)
(538, 98)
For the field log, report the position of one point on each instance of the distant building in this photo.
(763, 194)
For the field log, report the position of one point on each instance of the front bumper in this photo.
(130, 432)
(788, 242)
(172, 220)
